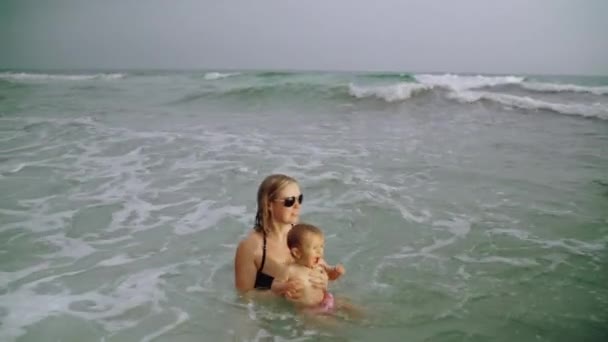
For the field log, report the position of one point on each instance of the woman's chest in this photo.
(275, 257)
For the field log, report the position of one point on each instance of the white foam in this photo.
(574, 246)
(71, 248)
(197, 288)
(404, 255)
(559, 87)
(26, 307)
(520, 234)
(22, 76)
(407, 215)
(523, 262)
(570, 245)
(462, 273)
(211, 76)
(458, 227)
(181, 318)
(120, 259)
(111, 241)
(461, 82)
(556, 260)
(204, 217)
(376, 275)
(21, 148)
(41, 220)
(437, 244)
(8, 277)
(389, 93)
(595, 110)
(10, 212)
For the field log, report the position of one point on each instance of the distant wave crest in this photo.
(211, 76)
(275, 74)
(557, 87)
(389, 76)
(461, 82)
(389, 93)
(24, 76)
(595, 110)
(310, 91)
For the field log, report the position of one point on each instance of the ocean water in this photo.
(464, 207)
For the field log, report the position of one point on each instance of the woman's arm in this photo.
(245, 272)
(244, 266)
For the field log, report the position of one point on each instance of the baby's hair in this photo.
(297, 233)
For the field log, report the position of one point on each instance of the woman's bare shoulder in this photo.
(252, 241)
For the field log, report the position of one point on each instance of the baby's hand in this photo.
(336, 272)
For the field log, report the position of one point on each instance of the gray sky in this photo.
(485, 36)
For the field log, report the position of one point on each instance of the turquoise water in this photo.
(464, 207)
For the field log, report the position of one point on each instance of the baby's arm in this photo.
(333, 272)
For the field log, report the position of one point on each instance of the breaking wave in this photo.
(594, 110)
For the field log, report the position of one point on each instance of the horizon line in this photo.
(294, 70)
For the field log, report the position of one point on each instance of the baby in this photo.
(305, 242)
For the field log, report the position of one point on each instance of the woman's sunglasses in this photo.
(288, 202)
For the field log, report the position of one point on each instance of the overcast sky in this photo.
(484, 36)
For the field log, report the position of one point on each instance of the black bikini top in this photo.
(263, 281)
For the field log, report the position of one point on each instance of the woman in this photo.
(263, 255)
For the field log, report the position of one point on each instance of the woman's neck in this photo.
(279, 230)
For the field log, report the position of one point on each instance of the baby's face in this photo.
(311, 250)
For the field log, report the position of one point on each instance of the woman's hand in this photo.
(291, 288)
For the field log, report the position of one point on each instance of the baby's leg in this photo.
(352, 310)
(319, 320)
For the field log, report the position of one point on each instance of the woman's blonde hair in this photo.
(267, 192)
